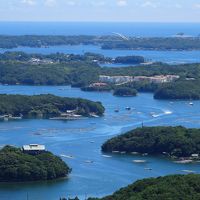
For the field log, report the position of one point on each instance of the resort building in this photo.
(115, 79)
(33, 148)
(157, 79)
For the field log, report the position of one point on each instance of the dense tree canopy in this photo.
(81, 71)
(125, 92)
(46, 105)
(173, 187)
(106, 42)
(18, 166)
(179, 90)
(175, 141)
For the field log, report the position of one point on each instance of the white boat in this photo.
(89, 161)
(106, 156)
(67, 156)
(134, 153)
(128, 108)
(139, 161)
(191, 103)
(183, 161)
(149, 169)
(115, 151)
(188, 171)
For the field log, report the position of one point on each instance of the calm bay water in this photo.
(83, 138)
(171, 57)
(91, 28)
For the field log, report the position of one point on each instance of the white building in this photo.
(33, 148)
(115, 79)
(157, 79)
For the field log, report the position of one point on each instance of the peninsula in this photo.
(171, 187)
(105, 42)
(47, 106)
(175, 142)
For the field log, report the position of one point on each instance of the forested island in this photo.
(125, 92)
(106, 42)
(177, 142)
(17, 166)
(47, 106)
(56, 58)
(171, 187)
(84, 71)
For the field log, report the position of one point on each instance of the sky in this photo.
(101, 10)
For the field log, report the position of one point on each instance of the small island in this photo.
(47, 106)
(30, 163)
(125, 92)
(175, 142)
(171, 187)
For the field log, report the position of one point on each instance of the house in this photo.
(195, 155)
(98, 85)
(33, 149)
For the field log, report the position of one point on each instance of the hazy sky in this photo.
(100, 10)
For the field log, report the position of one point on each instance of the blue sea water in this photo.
(171, 57)
(98, 28)
(83, 138)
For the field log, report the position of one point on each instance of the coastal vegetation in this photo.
(106, 42)
(47, 106)
(174, 141)
(83, 70)
(171, 187)
(179, 90)
(125, 92)
(17, 166)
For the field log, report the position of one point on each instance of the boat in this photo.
(94, 115)
(115, 151)
(134, 153)
(183, 161)
(149, 169)
(128, 108)
(67, 156)
(139, 161)
(116, 110)
(89, 161)
(123, 152)
(191, 103)
(145, 154)
(188, 171)
(106, 156)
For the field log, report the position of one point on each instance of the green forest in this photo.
(15, 69)
(125, 92)
(46, 106)
(16, 166)
(173, 187)
(174, 141)
(106, 42)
